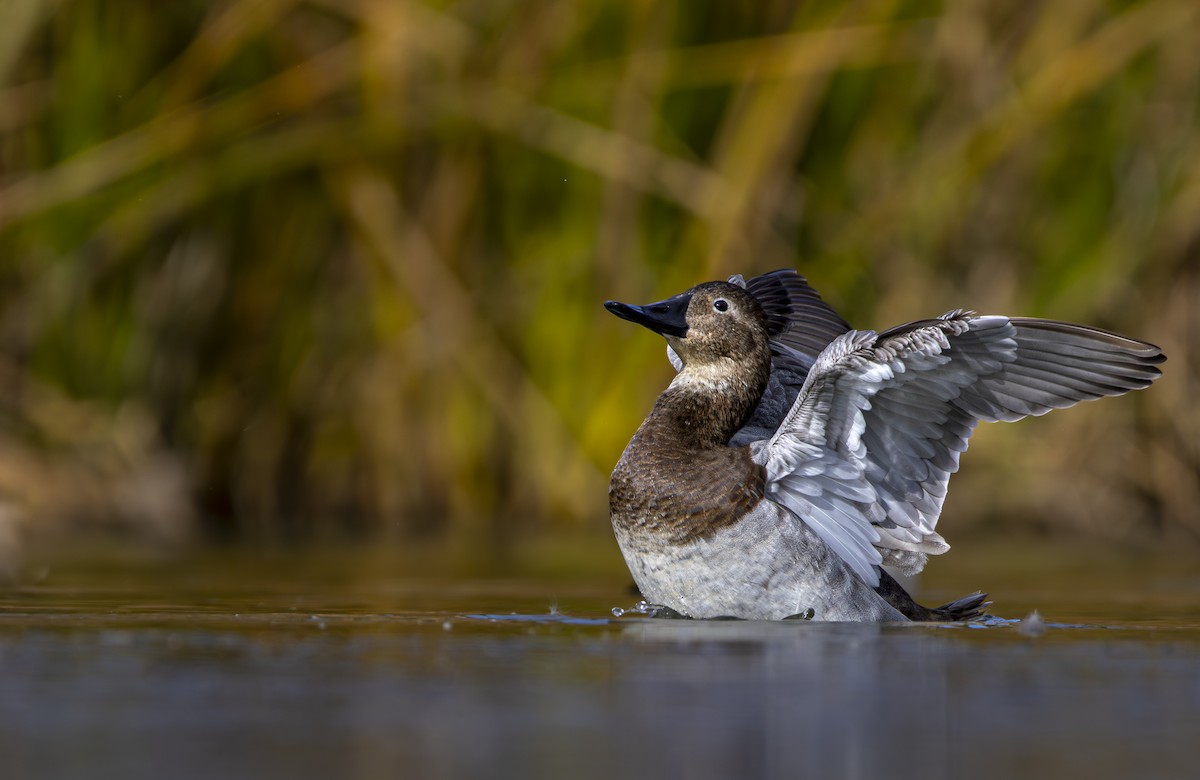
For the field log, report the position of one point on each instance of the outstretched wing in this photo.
(865, 454)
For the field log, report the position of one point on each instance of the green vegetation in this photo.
(334, 268)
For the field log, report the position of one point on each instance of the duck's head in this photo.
(708, 324)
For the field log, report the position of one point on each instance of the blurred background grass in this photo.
(275, 271)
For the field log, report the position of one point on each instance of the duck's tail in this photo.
(967, 608)
(970, 607)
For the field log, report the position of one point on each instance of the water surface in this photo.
(268, 670)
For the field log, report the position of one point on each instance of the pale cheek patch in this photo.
(713, 377)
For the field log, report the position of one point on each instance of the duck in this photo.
(796, 466)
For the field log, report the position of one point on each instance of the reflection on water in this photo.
(393, 678)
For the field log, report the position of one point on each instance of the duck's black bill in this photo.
(667, 317)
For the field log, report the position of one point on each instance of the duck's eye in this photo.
(720, 304)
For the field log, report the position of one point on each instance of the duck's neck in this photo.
(706, 405)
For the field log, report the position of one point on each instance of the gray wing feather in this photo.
(881, 420)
